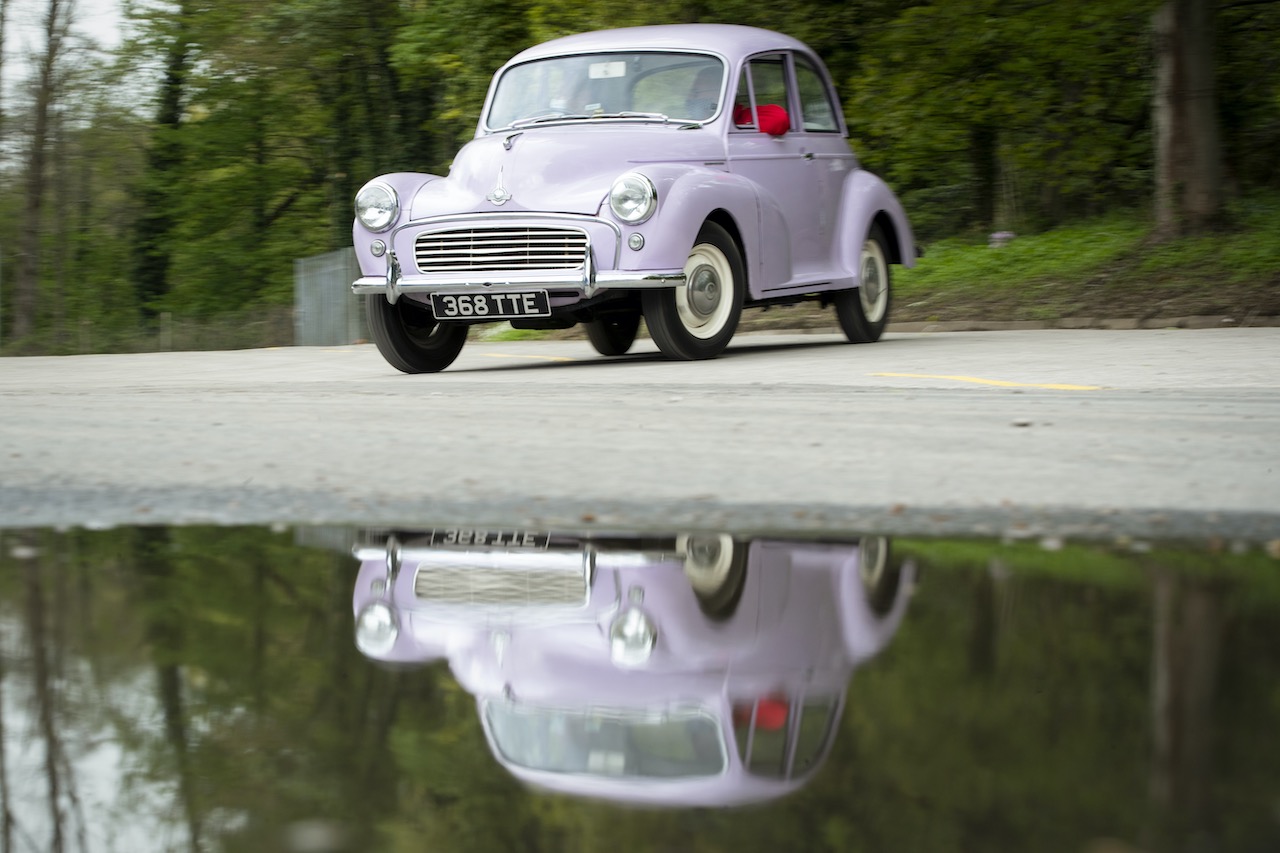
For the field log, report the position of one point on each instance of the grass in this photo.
(1116, 564)
(1106, 267)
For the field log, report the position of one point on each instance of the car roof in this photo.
(729, 40)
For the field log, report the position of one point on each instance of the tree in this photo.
(164, 160)
(1189, 193)
(4, 14)
(57, 23)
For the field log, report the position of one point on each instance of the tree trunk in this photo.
(4, 15)
(1185, 662)
(984, 154)
(1189, 194)
(26, 286)
(164, 160)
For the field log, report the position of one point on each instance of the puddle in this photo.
(327, 689)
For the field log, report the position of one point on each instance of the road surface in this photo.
(1039, 433)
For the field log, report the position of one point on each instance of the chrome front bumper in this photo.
(586, 285)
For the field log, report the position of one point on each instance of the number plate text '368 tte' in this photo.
(491, 306)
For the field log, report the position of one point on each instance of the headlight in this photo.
(633, 198)
(377, 206)
(376, 629)
(631, 638)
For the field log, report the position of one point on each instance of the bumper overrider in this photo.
(492, 254)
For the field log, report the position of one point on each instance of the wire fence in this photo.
(325, 312)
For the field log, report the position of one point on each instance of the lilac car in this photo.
(687, 670)
(676, 173)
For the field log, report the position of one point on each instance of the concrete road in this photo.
(1046, 433)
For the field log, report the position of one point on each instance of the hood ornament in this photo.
(499, 196)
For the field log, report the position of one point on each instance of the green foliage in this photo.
(1015, 115)
(223, 140)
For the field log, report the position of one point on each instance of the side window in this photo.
(818, 114)
(769, 80)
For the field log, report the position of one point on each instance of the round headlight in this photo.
(633, 198)
(377, 206)
(631, 638)
(376, 629)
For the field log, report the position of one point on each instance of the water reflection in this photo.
(687, 669)
(198, 689)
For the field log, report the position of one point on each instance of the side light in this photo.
(376, 629)
(633, 198)
(632, 637)
(377, 206)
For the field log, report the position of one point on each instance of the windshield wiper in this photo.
(630, 114)
(548, 117)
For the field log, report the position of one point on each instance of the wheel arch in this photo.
(685, 205)
(868, 201)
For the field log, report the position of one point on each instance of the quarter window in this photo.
(816, 110)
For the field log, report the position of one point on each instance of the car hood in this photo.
(558, 169)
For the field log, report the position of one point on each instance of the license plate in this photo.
(462, 538)
(493, 306)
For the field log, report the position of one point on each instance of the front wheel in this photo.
(409, 336)
(863, 312)
(613, 334)
(696, 321)
(716, 567)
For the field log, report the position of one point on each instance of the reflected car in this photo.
(677, 174)
(697, 669)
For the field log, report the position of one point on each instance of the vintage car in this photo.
(677, 174)
(698, 669)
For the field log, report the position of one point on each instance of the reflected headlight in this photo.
(631, 638)
(376, 629)
(633, 198)
(377, 206)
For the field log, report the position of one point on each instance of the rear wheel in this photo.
(613, 334)
(698, 320)
(880, 577)
(863, 311)
(409, 336)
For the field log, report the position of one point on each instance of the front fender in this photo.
(407, 186)
(687, 196)
(866, 200)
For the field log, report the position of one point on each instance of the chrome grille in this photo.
(476, 585)
(500, 250)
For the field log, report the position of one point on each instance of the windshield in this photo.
(679, 87)
(611, 743)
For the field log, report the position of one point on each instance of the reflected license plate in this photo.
(493, 306)
(461, 537)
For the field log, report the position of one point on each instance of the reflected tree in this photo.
(164, 633)
(1185, 662)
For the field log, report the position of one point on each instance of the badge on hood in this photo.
(499, 196)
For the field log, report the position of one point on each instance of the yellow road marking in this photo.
(1002, 383)
(534, 357)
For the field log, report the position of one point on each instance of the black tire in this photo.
(881, 578)
(613, 334)
(863, 311)
(409, 336)
(698, 320)
(716, 567)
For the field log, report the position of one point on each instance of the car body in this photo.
(686, 670)
(677, 173)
